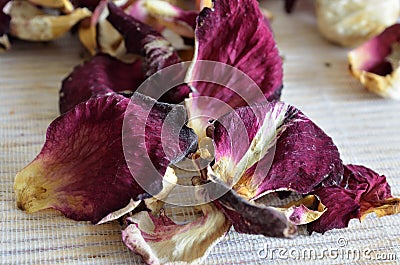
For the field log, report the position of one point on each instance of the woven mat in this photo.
(365, 128)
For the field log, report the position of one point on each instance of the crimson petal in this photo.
(240, 31)
(361, 192)
(81, 170)
(287, 151)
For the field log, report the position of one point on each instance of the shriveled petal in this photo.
(100, 75)
(376, 63)
(239, 30)
(160, 241)
(279, 149)
(361, 192)
(31, 23)
(81, 170)
(249, 217)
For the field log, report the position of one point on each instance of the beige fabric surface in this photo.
(365, 128)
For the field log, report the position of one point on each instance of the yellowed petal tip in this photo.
(30, 188)
(204, 3)
(4, 43)
(389, 207)
(65, 5)
(87, 36)
(268, 14)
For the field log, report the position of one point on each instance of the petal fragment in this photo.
(361, 192)
(161, 241)
(376, 63)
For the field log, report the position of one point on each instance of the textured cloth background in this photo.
(365, 128)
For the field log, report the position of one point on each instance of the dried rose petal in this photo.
(362, 191)
(279, 149)
(31, 23)
(100, 75)
(376, 63)
(81, 170)
(247, 43)
(160, 241)
(284, 151)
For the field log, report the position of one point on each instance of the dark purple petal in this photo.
(237, 35)
(304, 157)
(81, 170)
(100, 75)
(281, 148)
(341, 208)
(361, 192)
